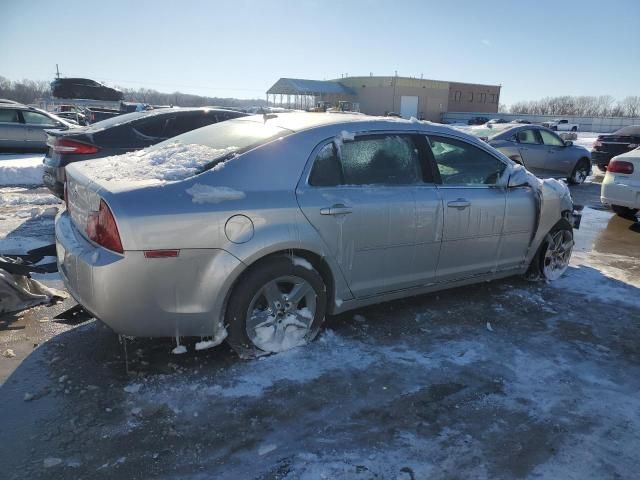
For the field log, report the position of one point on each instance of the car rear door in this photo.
(532, 150)
(560, 159)
(368, 201)
(474, 207)
(12, 130)
(35, 124)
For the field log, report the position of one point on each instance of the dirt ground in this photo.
(509, 379)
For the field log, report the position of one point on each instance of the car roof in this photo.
(299, 121)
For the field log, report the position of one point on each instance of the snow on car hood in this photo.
(155, 165)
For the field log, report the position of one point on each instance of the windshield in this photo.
(630, 130)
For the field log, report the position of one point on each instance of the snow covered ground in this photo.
(21, 169)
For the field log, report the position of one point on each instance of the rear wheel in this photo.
(580, 172)
(624, 212)
(574, 129)
(276, 306)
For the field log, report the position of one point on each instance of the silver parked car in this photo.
(23, 127)
(544, 153)
(254, 229)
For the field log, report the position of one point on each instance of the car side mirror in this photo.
(568, 143)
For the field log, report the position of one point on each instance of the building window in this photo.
(457, 96)
(483, 98)
(470, 97)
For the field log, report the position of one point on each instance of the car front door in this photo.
(474, 208)
(532, 150)
(12, 130)
(368, 201)
(559, 160)
(35, 124)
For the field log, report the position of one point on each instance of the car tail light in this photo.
(619, 166)
(102, 228)
(64, 145)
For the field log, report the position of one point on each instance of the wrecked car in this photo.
(254, 229)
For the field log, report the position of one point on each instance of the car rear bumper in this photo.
(618, 190)
(137, 296)
(53, 179)
(600, 158)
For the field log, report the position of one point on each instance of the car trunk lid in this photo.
(616, 144)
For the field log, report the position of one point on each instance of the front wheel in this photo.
(580, 172)
(278, 305)
(553, 257)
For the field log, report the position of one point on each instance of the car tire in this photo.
(276, 325)
(580, 172)
(574, 129)
(624, 212)
(542, 265)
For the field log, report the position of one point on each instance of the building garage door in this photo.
(409, 107)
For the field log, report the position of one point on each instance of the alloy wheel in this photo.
(558, 254)
(281, 313)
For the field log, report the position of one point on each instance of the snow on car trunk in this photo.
(169, 162)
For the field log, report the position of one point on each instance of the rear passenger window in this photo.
(460, 163)
(527, 136)
(326, 171)
(368, 160)
(153, 127)
(9, 116)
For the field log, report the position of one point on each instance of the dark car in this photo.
(84, 88)
(125, 133)
(608, 146)
(478, 121)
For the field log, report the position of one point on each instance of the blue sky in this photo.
(240, 48)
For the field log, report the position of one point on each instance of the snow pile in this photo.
(16, 197)
(166, 163)
(208, 194)
(21, 169)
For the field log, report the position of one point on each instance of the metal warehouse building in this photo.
(410, 97)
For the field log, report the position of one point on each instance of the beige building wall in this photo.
(380, 95)
(469, 97)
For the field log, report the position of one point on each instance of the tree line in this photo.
(30, 91)
(585, 106)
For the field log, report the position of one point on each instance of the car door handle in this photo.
(460, 204)
(338, 209)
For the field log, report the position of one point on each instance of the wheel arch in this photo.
(318, 262)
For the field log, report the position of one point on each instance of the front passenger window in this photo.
(460, 163)
(551, 139)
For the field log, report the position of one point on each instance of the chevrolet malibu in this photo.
(256, 228)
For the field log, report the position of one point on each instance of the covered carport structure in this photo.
(304, 94)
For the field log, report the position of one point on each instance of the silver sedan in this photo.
(254, 229)
(544, 153)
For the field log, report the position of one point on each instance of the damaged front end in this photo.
(553, 203)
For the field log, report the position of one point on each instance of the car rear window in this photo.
(185, 155)
(630, 130)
